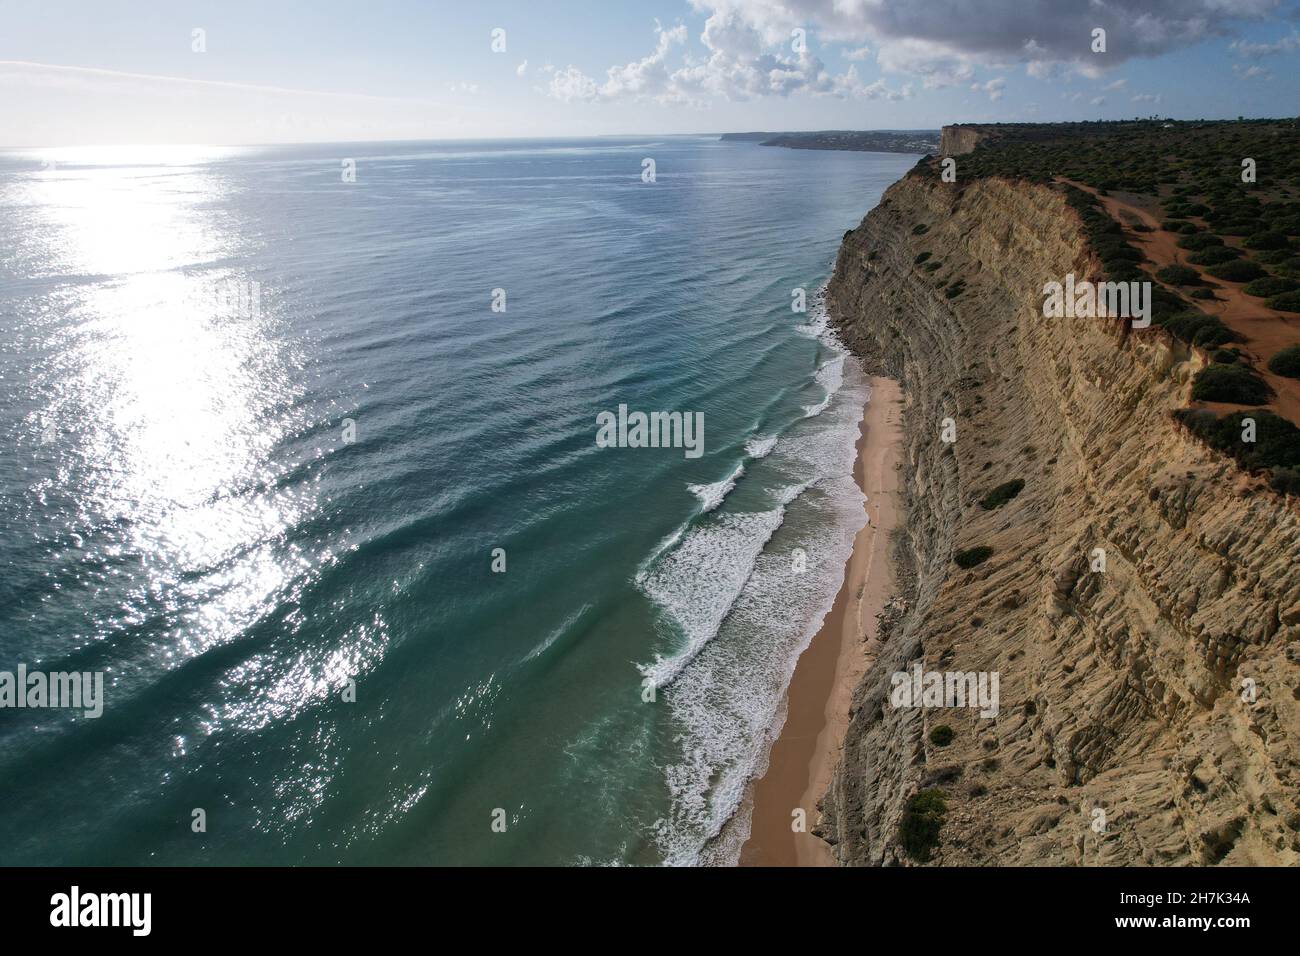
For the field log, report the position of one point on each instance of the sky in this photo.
(95, 72)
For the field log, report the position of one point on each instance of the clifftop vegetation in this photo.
(1209, 212)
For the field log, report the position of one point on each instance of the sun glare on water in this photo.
(167, 382)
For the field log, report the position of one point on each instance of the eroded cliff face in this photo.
(1127, 690)
(956, 140)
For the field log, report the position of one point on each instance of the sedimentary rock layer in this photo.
(1161, 691)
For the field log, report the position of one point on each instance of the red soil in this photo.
(1265, 331)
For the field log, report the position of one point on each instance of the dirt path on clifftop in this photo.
(1265, 331)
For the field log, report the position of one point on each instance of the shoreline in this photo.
(805, 753)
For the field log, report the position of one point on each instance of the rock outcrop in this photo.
(1142, 602)
(955, 140)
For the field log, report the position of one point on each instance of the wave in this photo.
(746, 611)
(663, 547)
(697, 582)
(760, 446)
(727, 697)
(711, 495)
(812, 411)
(830, 376)
(550, 639)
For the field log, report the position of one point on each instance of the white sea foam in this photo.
(711, 495)
(818, 322)
(696, 583)
(760, 446)
(663, 547)
(556, 634)
(745, 616)
(830, 376)
(812, 411)
(727, 700)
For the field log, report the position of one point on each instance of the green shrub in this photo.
(1001, 494)
(1286, 480)
(1286, 362)
(1276, 444)
(920, 229)
(1236, 384)
(956, 289)
(1197, 328)
(1240, 270)
(920, 257)
(1271, 286)
(941, 736)
(918, 830)
(1114, 247)
(1201, 293)
(971, 557)
(1287, 302)
(1178, 275)
(1125, 272)
(1200, 240)
(1266, 240)
(1289, 268)
(1238, 227)
(1214, 255)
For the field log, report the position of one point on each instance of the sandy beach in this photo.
(804, 755)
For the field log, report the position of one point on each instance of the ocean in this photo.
(300, 454)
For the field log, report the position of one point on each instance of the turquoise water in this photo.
(265, 432)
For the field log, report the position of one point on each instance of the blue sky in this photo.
(79, 73)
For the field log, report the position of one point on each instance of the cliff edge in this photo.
(955, 140)
(1141, 602)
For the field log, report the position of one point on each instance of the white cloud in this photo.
(1287, 44)
(647, 77)
(933, 63)
(739, 63)
(850, 85)
(572, 84)
(1155, 98)
(1255, 72)
(993, 88)
(745, 52)
(942, 41)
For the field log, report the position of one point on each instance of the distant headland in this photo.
(871, 141)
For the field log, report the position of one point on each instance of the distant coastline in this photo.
(871, 141)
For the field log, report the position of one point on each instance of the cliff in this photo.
(1161, 690)
(956, 140)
